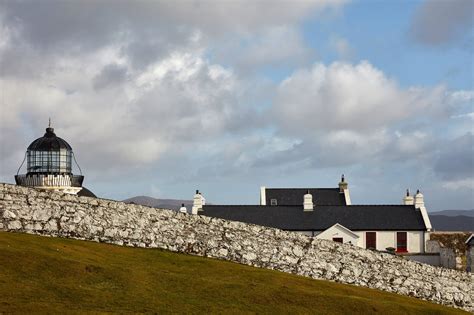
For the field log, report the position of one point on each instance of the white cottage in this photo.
(328, 213)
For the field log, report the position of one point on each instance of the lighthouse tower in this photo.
(49, 165)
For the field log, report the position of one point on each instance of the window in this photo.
(273, 202)
(337, 239)
(402, 242)
(370, 240)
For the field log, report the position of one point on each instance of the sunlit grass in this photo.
(55, 275)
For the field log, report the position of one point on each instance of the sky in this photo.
(161, 98)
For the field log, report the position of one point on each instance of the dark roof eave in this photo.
(357, 230)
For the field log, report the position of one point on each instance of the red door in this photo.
(370, 240)
(402, 242)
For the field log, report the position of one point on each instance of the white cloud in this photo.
(467, 183)
(343, 96)
(176, 103)
(276, 46)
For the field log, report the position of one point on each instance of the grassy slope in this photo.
(40, 274)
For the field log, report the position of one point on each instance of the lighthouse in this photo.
(49, 165)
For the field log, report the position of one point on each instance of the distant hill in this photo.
(452, 223)
(454, 213)
(173, 204)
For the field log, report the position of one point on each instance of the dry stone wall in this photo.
(33, 211)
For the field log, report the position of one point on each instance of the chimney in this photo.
(342, 184)
(263, 198)
(308, 202)
(408, 200)
(183, 209)
(420, 205)
(198, 202)
(419, 200)
(344, 189)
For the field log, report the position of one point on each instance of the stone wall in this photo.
(49, 213)
(456, 241)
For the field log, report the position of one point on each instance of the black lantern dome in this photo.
(49, 142)
(49, 155)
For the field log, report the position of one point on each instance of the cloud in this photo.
(177, 103)
(110, 75)
(134, 80)
(35, 37)
(344, 114)
(272, 47)
(342, 96)
(146, 30)
(456, 159)
(442, 22)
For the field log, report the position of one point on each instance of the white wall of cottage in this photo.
(384, 239)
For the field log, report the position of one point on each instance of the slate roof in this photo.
(293, 218)
(294, 196)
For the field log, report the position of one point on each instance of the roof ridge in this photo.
(301, 188)
(315, 206)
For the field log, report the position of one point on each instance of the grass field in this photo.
(55, 275)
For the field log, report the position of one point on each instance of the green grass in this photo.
(55, 275)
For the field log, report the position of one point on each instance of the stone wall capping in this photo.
(57, 214)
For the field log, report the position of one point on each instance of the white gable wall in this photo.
(339, 231)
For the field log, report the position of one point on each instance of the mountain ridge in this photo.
(454, 213)
(172, 204)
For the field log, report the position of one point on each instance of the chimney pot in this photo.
(308, 202)
(408, 200)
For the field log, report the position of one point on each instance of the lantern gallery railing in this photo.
(49, 180)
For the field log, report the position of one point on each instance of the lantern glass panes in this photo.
(49, 161)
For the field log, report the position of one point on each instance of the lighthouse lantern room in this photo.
(49, 165)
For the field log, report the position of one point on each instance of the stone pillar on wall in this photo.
(470, 254)
(432, 246)
(470, 259)
(447, 257)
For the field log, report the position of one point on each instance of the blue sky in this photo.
(160, 99)
(379, 31)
